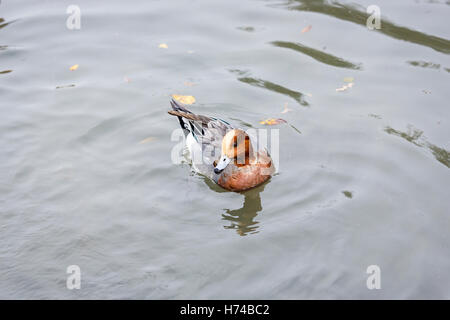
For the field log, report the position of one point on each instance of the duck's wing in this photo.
(208, 132)
(208, 129)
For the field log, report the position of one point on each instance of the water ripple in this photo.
(317, 55)
(351, 13)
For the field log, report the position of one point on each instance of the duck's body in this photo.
(237, 178)
(239, 167)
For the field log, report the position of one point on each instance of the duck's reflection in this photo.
(243, 219)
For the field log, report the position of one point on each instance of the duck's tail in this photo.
(189, 121)
(179, 110)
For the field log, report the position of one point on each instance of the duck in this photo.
(239, 167)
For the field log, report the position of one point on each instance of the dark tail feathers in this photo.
(195, 122)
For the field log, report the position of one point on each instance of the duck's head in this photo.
(236, 146)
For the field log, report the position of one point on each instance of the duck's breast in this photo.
(245, 177)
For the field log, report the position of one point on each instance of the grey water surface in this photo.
(86, 176)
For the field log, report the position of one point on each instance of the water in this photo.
(85, 170)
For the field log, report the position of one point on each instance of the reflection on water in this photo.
(413, 135)
(429, 65)
(297, 96)
(348, 194)
(242, 219)
(4, 24)
(4, 47)
(441, 155)
(317, 55)
(351, 13)
(248, 29)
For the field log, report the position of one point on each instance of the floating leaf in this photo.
(306, 29)
(345, 87)
(190, 51)
(184, 99)
(272, 121)
(149, 139)
(163, 46)
(349, 79)
(74, 67)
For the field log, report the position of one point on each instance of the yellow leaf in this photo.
(184, 99)
(163, 46)
(74, 67)
(348, 79)
(272, 121)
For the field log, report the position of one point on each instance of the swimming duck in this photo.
(239, 167)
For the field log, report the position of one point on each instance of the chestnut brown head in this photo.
(236, 146)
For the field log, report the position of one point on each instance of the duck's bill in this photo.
(221, 164)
